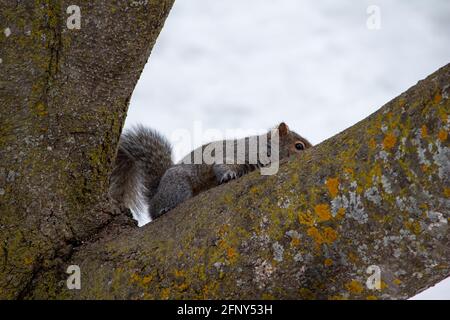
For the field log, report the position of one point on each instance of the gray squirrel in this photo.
(144, 173)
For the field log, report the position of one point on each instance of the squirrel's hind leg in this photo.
(173, 189)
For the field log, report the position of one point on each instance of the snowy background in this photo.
(249, 64)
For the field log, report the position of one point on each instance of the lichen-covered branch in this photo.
(372, 198)
(64, 92)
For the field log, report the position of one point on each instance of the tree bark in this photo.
(64, 95)
(374, 197)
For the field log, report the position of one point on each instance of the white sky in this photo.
(250, 64)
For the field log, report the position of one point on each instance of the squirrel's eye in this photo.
(300, 146)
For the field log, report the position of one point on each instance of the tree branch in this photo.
(374, 195)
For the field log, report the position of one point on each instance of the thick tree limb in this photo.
(63, 98)
(375, 195)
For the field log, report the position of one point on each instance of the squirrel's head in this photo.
(290, 142)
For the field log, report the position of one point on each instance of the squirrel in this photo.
(144, 173)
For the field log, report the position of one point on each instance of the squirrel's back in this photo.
(143, 157)
(221, 161)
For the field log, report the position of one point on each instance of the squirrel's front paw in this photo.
(227, 176)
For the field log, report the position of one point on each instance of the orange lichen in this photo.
(353, 258)
(165, 294)
(328, 262)
(372, 143)
(349, 171)
(341, 213)
(414, 227)
(254, 190)
(231, 254)
(437, 98)
(295, 242)
(182, 287)
(354, 287)
(306, 218)
(389, 141)
(332, 185)
(442, 135)
(323, 212)
(329, 235)
(447, 192)
(314, 233)
(389, 115)
(147, 279)
(371, 298)
(134, 277)
(397, 281)
(179, 273)
(424, 131)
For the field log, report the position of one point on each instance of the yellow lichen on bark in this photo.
(332, 185)
(389, 141)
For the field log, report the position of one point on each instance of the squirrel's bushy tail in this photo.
(142, 159)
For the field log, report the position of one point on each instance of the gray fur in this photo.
(185, 179)
(175, 188)
(145, 175)
(142, 159)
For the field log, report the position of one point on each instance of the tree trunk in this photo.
(64, 95)
(372, 198)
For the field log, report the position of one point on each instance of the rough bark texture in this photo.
(63, 100)
(376, 194)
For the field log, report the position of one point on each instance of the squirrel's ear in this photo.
(283, 129)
